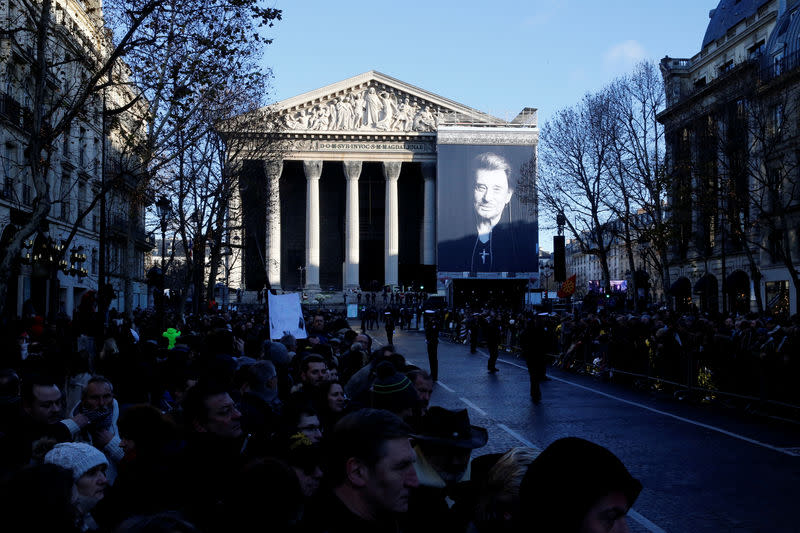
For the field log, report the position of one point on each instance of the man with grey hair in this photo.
(492, 189)
(501, 241)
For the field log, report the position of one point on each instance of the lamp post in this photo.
(546, 270)
(302, 271)
(164, 208)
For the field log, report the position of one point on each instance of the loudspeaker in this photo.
(559, 259)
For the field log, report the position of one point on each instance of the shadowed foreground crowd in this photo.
(210, 426)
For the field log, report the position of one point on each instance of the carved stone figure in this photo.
(425, 121)
(373, 108)
(298, 120)
(358, 109)
(403, 117)
(389, 110)
(344, 114)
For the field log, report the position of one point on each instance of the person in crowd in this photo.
(260, 404)
(388, 325)
(88, 467)
(214, 451)
(432, 342)
(357, 387)
(266, 494)
(576, 486)
(532, 353)
(316, 328)
(443, 445)
(300, 417)
(330, 403)
(40, 416)
(393, 391)
(370, 473)
(149, 440)
(313, 370)
(306, 459)
(498, 497)
(493, 332)
(353, 360)
(423, 384)
(474, 327)
(23, 492)
(99, 406)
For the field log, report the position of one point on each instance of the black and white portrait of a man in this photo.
(491, 233)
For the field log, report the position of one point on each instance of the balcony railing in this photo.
(10, 108)
(780, 66)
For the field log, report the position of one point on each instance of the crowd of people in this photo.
(750, 357)
(154, 425)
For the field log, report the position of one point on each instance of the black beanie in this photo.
(391, 390)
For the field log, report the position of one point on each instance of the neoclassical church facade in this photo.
(349, 200)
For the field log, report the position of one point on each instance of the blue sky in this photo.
(497, 56)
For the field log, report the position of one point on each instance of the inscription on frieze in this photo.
(363, 146)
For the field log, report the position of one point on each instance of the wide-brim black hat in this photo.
(450, 428)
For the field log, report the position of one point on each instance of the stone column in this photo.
(352, 171)
(313, 170)
(236, 226)
(273, 169)
(429, 214)
(391, 171)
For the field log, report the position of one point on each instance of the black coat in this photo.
(513, 250)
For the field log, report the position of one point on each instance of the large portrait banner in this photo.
(486, 210)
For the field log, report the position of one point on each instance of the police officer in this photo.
(388, 324)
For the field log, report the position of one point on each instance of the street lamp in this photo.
(545, 271)
(302, 271)
(164, 207)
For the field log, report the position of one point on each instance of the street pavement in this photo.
(703, 469)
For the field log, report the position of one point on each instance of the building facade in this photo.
(78, 164)
(731, 128)
(351, 199)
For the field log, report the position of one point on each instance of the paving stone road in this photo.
(703, 470)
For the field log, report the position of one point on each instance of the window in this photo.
(96, 157)
(726, 66)
(775, 121)
(27, 195)
(777, 64)
(775, 245)
(756, 50)
(82, 201)
(66, 197)
(65, 146)
(700, 82)
(82, 148)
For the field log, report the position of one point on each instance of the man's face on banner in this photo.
(490, 193)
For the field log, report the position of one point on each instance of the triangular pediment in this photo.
(374, 103)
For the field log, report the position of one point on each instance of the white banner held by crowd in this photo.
(286, 316)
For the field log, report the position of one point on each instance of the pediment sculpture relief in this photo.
(374, 108)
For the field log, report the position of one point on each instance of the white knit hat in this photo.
(75, 456)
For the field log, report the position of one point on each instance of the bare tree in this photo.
(640, 183)
(764, 202)
(176, 53)
(576, 145)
